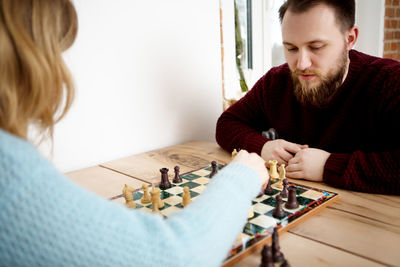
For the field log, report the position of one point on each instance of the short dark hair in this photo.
(344, 10)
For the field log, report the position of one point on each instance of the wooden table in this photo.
(357, 230)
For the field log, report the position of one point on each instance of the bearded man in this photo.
(336, 110)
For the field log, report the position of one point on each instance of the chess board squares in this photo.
(202, 180)
(261, 208)
(199, 189)
(312, 194)
(190, 176)
(175, 190)
(168, 211)
(202, 172)
(263, 221)
(173, 200)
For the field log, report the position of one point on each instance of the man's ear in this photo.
(351, 37)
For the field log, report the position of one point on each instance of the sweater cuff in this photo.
(334, 169)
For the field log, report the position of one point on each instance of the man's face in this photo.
(316, 52)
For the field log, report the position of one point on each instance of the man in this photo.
(336, 110)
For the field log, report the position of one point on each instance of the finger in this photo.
(293, 168)
(295, 175)
(285, 156)
(292, 147)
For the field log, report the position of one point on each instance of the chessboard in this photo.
(259, 228)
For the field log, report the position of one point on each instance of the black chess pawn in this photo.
(276, 249)
(267, 259)
(177, 179)
(269, 190)
(285, 192)
(292, 202)
(278, 212)
(214, 169)
(165, 184)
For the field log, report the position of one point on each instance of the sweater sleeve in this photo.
(365, 172)
(373, 171)
(240, 126)
(47, 220)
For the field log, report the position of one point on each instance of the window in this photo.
(251, 43)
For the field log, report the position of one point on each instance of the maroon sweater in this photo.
(360, 127)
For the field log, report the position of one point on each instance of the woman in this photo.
(45, 219)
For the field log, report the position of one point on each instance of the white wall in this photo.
(148, 75)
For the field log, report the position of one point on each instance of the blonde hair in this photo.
(36, 87)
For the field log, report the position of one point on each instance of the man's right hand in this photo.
(280, 150)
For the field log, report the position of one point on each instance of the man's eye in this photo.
(316, 47)
(292, 49)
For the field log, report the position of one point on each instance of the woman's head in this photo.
(35, 85)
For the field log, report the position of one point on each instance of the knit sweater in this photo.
(47, 220)
(360, 126)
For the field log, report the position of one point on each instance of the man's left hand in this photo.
(307, 164)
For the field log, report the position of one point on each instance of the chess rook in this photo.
(292, 199)
(214, 168)
(165, 184)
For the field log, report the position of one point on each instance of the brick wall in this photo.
(391, 47)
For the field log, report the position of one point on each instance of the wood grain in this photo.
(102, 181)
(301, 251)
(188, 156)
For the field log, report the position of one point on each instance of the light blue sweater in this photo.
(47, 220)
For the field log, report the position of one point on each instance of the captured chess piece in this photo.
(278, 212)
(146, 196)
(165, 184)
(276, 249)
(273, 171)
(186, 200)
(127, 191)
(214, 169)
(292, 202)
(285, 192)
(177, 178)
(267, 259)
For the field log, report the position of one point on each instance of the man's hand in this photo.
(308, 164)
(280, 150)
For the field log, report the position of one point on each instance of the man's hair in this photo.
(344, 10)
(36, 87)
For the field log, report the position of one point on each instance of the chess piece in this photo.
(269, 190)
(234, 152)
(273, 172)
(127, 191)
(276, 253)
(186, 200)
(177, 179)
(154, 200)
(251, 213)
(285, 192)
(282, 175)
(267, 259)
(292, 199)
(278, 212)
(165, 184)
(214, 168)
(146, 196)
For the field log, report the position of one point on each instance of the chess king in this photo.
(335, 109)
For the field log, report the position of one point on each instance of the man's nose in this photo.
(303, 60)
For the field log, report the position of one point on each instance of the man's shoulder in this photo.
(373, 63)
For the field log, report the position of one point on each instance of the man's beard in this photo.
(321, 94)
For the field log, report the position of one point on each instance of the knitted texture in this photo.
(360, 126)
(47, 220)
